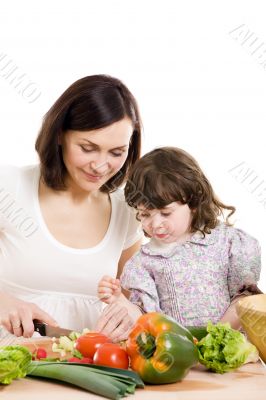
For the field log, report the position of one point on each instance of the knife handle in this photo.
(39, 327)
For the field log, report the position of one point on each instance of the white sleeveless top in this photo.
(35, 267)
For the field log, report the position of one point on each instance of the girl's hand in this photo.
(109, 289)
(16, 315)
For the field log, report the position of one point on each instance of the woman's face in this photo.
(93, 157)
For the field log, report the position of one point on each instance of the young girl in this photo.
(194, 267)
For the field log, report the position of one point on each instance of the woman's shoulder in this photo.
(124, 218)
(118, 199)
(119, 195)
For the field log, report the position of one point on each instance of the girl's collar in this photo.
(156, 248)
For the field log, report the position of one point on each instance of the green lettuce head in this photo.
(225, 349)
(14, 361)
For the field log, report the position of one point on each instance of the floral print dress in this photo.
(194, 282)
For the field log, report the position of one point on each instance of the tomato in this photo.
(87, 344)
(111, 355)
(40, 353)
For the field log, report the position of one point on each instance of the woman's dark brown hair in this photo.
(92, 102)
(169, 174)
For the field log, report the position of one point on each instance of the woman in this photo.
(64, 223)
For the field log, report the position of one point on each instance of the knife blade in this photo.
(51, 331)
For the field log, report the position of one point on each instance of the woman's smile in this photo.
(92, 177)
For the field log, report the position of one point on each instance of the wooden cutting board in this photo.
(34, 343)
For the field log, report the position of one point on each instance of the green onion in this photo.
(112, 383)
(116, 372)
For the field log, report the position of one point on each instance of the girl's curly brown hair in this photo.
(169, 174)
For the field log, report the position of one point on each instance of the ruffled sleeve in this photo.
(244, 264)
(139, 281)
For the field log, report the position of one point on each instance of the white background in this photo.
(199, 87)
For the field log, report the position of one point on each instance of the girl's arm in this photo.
(120, 315)
(109, 289)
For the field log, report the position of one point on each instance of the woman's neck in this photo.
(72, 193)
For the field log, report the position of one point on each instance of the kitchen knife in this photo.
(47, 330)
(51, 331)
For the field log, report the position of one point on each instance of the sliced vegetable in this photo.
(40, 353)
(65, 345)
(14, 361)
(111, 355)
(225, 349)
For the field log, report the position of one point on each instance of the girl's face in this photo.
(93, 157)
(169, 224)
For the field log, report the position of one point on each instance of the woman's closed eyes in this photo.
(114, 153)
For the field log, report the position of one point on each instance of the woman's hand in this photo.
(231, 316)
(109, 289)
(17, 315)
(115, 322)
(118, 319)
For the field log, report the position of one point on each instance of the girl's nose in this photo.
(157, 221)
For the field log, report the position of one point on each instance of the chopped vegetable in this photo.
(41, 353)
(74, 335)
(65, 345)
(14, 361)
(225, 349)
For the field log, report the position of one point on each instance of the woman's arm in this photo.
(231, 316)
(126, 255)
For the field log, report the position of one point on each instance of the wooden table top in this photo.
(246, 383)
